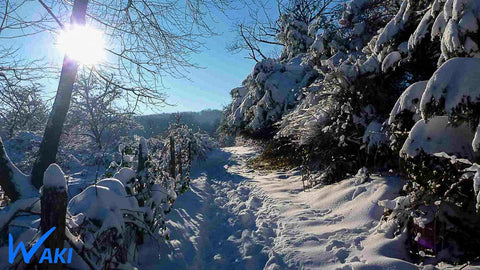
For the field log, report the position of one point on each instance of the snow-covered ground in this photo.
(233, 217)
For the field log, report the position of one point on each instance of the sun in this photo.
(82, 43)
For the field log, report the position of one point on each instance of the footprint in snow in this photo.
(358, 191)
(336, 244)
(342, 255)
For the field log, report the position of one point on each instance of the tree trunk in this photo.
(172, 157)
(51, 137)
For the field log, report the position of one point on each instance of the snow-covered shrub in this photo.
(439, 135)
(102, 216)
(271, 90)
(454, 90)
(442, 186)
(405, 114)
(294, 35)
(108, 220)
(142, 191)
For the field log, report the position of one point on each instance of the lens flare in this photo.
(83, 44)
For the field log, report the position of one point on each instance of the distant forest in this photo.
(157, 124)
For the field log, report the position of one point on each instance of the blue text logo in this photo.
(58, 256)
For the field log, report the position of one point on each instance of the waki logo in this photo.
(47, 253)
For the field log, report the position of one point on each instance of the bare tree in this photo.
(21, 105)
(94, 112)
(263, 27)
(147, 39)
(21, 108)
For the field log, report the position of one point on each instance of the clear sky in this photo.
(207, 87)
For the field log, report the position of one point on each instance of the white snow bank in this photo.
(438, 135)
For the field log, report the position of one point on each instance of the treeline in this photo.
(157, 124)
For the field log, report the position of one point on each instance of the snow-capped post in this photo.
(142, 154)
(51, 138)
(179, 160)
(172, 157)
(189, 154)
(54, 209)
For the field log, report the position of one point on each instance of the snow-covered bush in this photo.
(454, 90)
(108, 220)
(405, 114)
(403, 70)
(271, 90)
(294, 36)
(439, 135)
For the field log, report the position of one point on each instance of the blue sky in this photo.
(209, 86)
(206, 87)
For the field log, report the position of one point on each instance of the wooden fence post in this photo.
(54, 210)
(189, 155)
(172, 157)
(141, 157)
(180, 164)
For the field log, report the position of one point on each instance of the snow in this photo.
(456, 81)
(410, 101)
(421, 31)
(394, 26)
(371, 65)
(373, 135)
(54, 177)
(468, 23)
(104, 203)
(438, 135)
(438, 26)
(451, 39)
(461, 20)
(267, 92)
(20, 180)
(318, 45)
(236, 218)
(125, 175)
(390, 60)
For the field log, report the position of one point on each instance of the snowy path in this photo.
(236, 218)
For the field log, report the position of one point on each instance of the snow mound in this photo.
(125, 175)
(104, 205)
(456, 82)
(438, 135)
